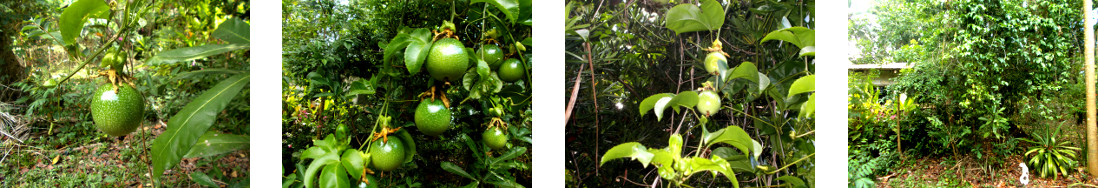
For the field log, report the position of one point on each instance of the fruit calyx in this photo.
(385, 130)
(446, 30)
(441, 95)
(717, 46)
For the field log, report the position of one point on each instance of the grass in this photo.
(76, 154)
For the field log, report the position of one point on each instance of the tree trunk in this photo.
(1092, 132)
(11, 69)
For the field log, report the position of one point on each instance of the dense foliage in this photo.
(985, 74)
(72, 50)
(621, 54)
(362, 83)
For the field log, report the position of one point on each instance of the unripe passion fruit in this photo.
(432, 117)
(511, 70)
(495, 138)
(341, 132)
(387, 156)
(708, 103)
(491, 54)
(117, 113)
(447, 60)
(713, 61)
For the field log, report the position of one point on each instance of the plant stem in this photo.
(791, 164)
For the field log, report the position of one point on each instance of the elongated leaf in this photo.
(234, 31)
(686, 99)
(73, 18)
(193, 53)
(204, 72)
(651, 102)
(745, 70)
(633, 150)
(508, 7)
(800, 36)
(419, 44)
(192, 121)
(215, 143)
(450, 167)
(802, 85)
(515, 152)
(202, 179)
(689, 17)
(334, 176)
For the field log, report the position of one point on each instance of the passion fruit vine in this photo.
(447, 60)
(117, 112)
(495, 138)
(432, 117)
(511, 70)
(387, 154)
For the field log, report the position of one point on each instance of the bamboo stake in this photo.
(1092, 131)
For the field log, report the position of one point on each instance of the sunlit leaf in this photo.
(800, 36)
(802, 85)
(73, 18)
(633, 150)
(234, 31)
(689, 17)
(809, 107)
(335, 176)
(353, 161)
(650, 103)
(450, 167)
(686, 99)
(193, 53)
(745, 70)
(202, 179)
(793, 181)
(214, 143)
(508, 7)
(186, 126)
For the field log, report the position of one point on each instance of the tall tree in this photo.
(11, 68)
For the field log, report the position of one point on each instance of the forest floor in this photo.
(966, 172)
(77, 155)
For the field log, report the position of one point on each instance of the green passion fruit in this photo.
(713, 62)
(341, 132)
(495, 138)
(491, 54)
(387, 155)
(117, 113)
(511, 70)
(447, 60)
(708, 103)
(432, 117)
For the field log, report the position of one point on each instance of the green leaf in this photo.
(203, 72)
(652, 102)
(674, 145)
(214, 143)
(73, 18)
(193, 53)
(192, 121)
(288, 181)
(633, 150)
(353, 161)
(661, 157)
(400, 41)
(800, 36)
(732, 135)
(419, 45)
(809, 107)
(508, 7)
(202, 179)
(745, 70)
(360, 87)
(334, 176)
(323, 154)
(689, 17)
(793, 182)
(802, 85)
(515, 152)
(808, 51)
(764, 81)
(450, 167)
(234, 31)
(687, 99)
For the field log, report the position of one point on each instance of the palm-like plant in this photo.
(1051, 156)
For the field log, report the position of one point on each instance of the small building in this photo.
(887, 71)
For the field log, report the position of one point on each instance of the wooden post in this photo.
(1092, 131)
